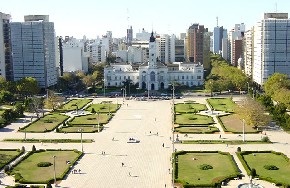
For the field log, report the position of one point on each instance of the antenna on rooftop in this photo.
(128, 18)
(276, 9)
(217, 21)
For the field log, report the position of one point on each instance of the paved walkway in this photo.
(146, 164)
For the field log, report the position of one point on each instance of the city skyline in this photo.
(94, 18)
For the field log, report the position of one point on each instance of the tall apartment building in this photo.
(235, 48)
(219, 33)
(33, 50)
(165, 46)
(6, 70)
(129, 36)
(271, 46)
(248, 52)
(195, 39)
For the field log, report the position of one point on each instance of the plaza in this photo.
(147, 163)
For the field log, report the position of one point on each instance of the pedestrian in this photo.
(169, 170)
(163, 145)
(127, 105)
(79, 171)
(150, 132)
(129, 173)
(220, 136)
(169, 138)
(165, 185)
(122, 164)
(104, 153)
(157, 133)
(113, 139)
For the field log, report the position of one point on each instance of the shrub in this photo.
(57, 129)
(6, 168)
(22, 149)
(239, 149)
(44, 164)
(17, 177)
(33, 148)
(253, 172)
(192, 118)
(265, 139)
(205, 167)
(271, 167)
(93, 111)
(48, 185)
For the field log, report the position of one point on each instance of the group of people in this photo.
(76, 171)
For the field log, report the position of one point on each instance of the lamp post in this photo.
(98, 121)
(54, 173)
(243, 130)
(248, 87)
(81, 130)
(148, 87)
(104, 87)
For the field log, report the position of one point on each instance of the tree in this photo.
(253, 113)
(34, 105)
(19, 109)
(53, 101)
(6, 96)
(276, 82)
(88, 80)
(27, 86)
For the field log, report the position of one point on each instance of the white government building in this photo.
(154, 75)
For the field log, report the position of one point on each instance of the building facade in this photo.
(154, 75)
(6, 69)
(33, 50)
(271, 46)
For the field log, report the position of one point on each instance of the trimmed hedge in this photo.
(12, 159)
(50, 140)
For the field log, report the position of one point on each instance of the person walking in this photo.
(122, 164)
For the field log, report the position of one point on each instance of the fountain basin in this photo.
(249, 185)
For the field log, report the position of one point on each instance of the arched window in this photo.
(152, 76)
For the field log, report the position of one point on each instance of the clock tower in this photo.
(152, 52)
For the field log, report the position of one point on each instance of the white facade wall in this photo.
(72, 59)
(3, 18)
(248, 52)
(123, 54)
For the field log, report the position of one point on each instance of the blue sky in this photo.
(95, 17)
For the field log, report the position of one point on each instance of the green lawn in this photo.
(47, 123)
(6, 156)
(49, 140)
(189, 107)
(222, 141)
(30, 172)
(91, 119)
(193, 119)
(197, 130)
(232, 123)
(222, 104)
(103, 108)
(75, 129)
(189, 169)
(258, 160)
(71, 105)
(1, 111)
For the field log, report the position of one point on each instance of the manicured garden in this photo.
(91, 119)
(39, 166)
(49, 140)
(74, 104)
(8, 155)
(193, 119)
(196, 130)
(189, 107)
(103, 108)
(202, 169)
(222, 104)
(232, 123)
(222, 141)
(47, 123)
(77, 129)
(270, 166)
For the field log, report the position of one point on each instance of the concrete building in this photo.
(195, 39)
(154, 75)
(74, 56)
(271, 46)
(33, 50)
(249, 52)
(129, 36)
(237, 33)
(143, 35)
(219, 34)
(6, 69)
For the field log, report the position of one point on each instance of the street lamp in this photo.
(81, 130)
(54, 174)
(104, 87)
(243, 130)
(98, 121)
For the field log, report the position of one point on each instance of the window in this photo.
(182, 77)
(198, 77)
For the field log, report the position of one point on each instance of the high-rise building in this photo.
(6, 70)
(218, 33)
(129, 36)
(271, 46)
(195, 39)
(33, 50)
(237, 33)
(249, 52)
